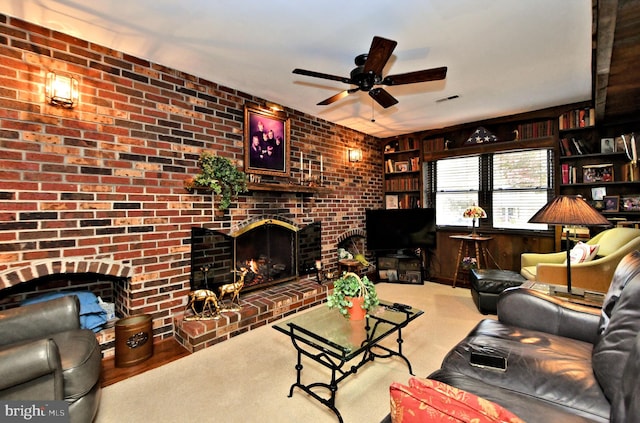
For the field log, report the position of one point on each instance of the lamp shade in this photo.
(569, 210)
(474, 212)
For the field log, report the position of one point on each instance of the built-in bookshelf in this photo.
(599, 162)
(402, 173)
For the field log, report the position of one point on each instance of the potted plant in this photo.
(221, 176)
(353, 296)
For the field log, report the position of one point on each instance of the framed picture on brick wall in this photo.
(266, 142)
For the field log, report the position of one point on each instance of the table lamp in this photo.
(474, 212)
(569, 210)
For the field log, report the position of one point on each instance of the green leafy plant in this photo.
(351, 285)
(221, 176)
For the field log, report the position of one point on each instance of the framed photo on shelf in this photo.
(630, 203)
(607, 145)
(611, 204)
(391, 201)
(598, 193)
(413, 276)
(266, 142)
(597, 173)
(402, 166)
(392, 275)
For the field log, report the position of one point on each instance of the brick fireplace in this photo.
(99, 188)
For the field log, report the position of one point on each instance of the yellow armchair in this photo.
(594, 275)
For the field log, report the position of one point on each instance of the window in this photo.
(510, 186)
(458, 186)
(521, 182)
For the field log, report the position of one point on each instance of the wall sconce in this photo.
(61, 90)
(355, 155)
(274, 106)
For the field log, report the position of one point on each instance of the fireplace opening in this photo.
(267, 249)
(271, 250)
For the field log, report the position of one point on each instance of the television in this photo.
(400, 229)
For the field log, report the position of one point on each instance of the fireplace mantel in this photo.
(275, 187)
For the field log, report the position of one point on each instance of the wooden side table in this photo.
(476, 241)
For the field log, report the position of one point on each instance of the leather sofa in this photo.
(45, 355)
(565, 362)
(594, 275)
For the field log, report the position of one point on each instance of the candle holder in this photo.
(311, 181)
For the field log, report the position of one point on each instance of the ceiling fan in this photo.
(368, 74)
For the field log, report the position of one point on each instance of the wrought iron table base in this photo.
(338, 374)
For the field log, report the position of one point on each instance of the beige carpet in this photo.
(247, 378)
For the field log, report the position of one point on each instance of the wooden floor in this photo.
(163, 352)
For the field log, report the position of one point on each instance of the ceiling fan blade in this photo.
(434, 74)
(322, 75)
(333, 98)
(382, 97)
(337, 97)
(379, 53)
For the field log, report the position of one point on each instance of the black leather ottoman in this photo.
(487, 284)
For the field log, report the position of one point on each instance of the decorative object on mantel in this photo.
(353, 296)
(267, 142)
(221, 176)
(481, 136)
(310, 178)
(474, 212)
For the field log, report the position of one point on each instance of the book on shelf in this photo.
(414, 163)
(434, 144)
(565, 173)
(535, 129)
(402, 184)
(390, 166)
(579, 118)
(574, 147)
(568, 173)
(565, 148)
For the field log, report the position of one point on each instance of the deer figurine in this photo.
(233, 288)
(209, 298)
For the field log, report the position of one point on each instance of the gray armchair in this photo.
(44, 355)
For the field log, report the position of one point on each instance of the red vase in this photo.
(356, 312)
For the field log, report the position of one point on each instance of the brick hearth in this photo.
(257, 309)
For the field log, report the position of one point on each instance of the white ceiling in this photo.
(503, 56)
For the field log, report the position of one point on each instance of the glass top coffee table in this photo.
(326, 337)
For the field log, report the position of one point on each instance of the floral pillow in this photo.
(426, 400)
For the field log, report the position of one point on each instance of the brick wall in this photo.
(104, 182)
